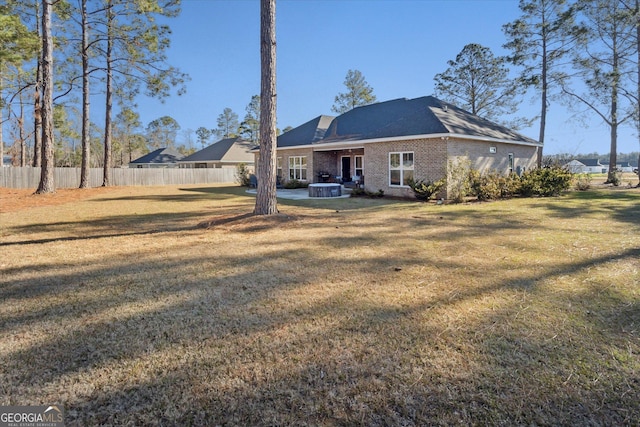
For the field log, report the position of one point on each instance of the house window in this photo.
(400, 168)
(510, 162)
(359, 165)
(298, 168)
(279, 167)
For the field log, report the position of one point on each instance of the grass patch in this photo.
(122, 309)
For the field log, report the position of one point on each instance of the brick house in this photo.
(382, 145)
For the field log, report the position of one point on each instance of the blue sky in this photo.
(399, 46)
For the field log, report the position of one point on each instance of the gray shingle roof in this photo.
(159, 156)
(229, 149)
(307, 133)
(590, 162)
(398, 118)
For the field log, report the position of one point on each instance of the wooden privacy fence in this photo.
(29, 177)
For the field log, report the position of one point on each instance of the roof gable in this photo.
(398, 117)
(160, 156)
(229, 149)
(590, 162)
(308, 133)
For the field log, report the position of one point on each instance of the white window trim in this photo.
(401, 168)
(355, 165)
(297, 169)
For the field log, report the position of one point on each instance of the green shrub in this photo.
(511, 185)
(425, 190)
(458, 179)
(545, 182)
(484, 187)
(242, 175)
(294, 183)
(493, 185)
(583, 182)
(361, 192)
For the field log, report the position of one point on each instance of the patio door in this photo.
(346, 169)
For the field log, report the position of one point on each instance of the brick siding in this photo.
(484, 161)
(430, 157)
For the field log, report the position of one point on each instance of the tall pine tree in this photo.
(479, 82)
(541, 40)
(266, 201)
(358, 93)
(604, 66)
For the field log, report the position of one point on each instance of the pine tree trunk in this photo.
(1, 139)
(266, 201)
(543, 109)
(106, 181)
(638, 65)
(613, 153)
(37, 117)
(86, 143)
(23, 141)
(47, 184)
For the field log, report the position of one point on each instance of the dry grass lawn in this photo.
(173, 306)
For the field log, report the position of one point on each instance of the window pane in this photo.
(394, 160)
(358, 162)
(292, 174)
(303, 174)
(303, 161)
(407, 160)
(408, 175)
(394, 177)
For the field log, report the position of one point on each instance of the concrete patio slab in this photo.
(302, 194)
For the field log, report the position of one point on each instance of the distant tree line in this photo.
(603, 158)
(54, 54)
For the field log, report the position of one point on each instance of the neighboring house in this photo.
(627, 166)
(587, 166)
(226, 153)
(160, 158)
(622, 167)
(386, 144)
(7, 160)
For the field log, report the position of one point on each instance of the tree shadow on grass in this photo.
(175, 342)
(225, 354)
(105, 227)
(615, 204)
(187, 194)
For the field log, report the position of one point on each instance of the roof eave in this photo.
(354, 143)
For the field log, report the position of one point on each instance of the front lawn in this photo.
(173, 306)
